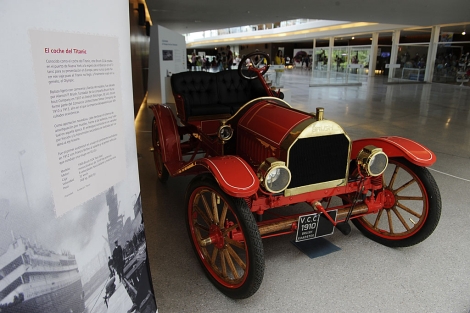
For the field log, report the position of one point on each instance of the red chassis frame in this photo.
(236, 177)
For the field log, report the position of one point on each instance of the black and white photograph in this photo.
(167, 55)
(74, 272)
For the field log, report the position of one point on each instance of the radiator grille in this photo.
(318, 159)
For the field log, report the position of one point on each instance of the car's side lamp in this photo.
(274, 175)
(225, 132)
(372, 161)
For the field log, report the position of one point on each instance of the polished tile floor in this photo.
(363, 276)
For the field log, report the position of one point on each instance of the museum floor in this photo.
(363, 276)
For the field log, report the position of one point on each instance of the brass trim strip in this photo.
(314, 187)
(249, 103)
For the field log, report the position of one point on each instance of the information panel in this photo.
(78, 87)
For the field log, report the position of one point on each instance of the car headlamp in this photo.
(274, 175)
(225, 132)
(372, 161)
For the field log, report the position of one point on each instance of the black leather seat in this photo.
(203, 93)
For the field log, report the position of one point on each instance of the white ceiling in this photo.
(185, 16)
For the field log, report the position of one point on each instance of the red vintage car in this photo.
(251, 152)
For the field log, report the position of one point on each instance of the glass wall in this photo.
(412, 55)
(452, 63)
(359, 59)
(344, 63)
(320, 59)
(412, 59)
(350, 60)
(339, 59)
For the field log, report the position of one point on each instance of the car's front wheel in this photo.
(225, 238)
(412, 206)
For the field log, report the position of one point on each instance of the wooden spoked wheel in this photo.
(225, 237)
(412, 206)
(162, 172)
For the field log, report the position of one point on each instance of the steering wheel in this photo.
(254, 63)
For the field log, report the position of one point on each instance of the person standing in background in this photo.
(279, 60)
(229, 58)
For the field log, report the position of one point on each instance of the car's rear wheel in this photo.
(412, 206)
(162, 172)
(225, 238)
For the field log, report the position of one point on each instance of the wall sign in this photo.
(78, 85)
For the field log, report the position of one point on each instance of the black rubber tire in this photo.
(429, 216)
(251, 252)
(162, 172)
(243, 71)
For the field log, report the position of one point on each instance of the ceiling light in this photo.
(352, 37)
(463, 33)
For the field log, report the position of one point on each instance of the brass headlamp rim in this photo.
(269, 165)
(366, 155)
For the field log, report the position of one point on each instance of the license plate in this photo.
(314, 225)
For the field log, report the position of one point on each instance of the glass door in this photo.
(339, 59)
(320, 59)
(358, 60)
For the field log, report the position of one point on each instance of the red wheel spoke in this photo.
(236, 257)
(409, 210)
(404, 186)
(390, 222)
(402, 220)
(231, 265)
(377, 219)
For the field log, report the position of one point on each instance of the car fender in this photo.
(168, 133)
(397, 147)
(234, 176)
